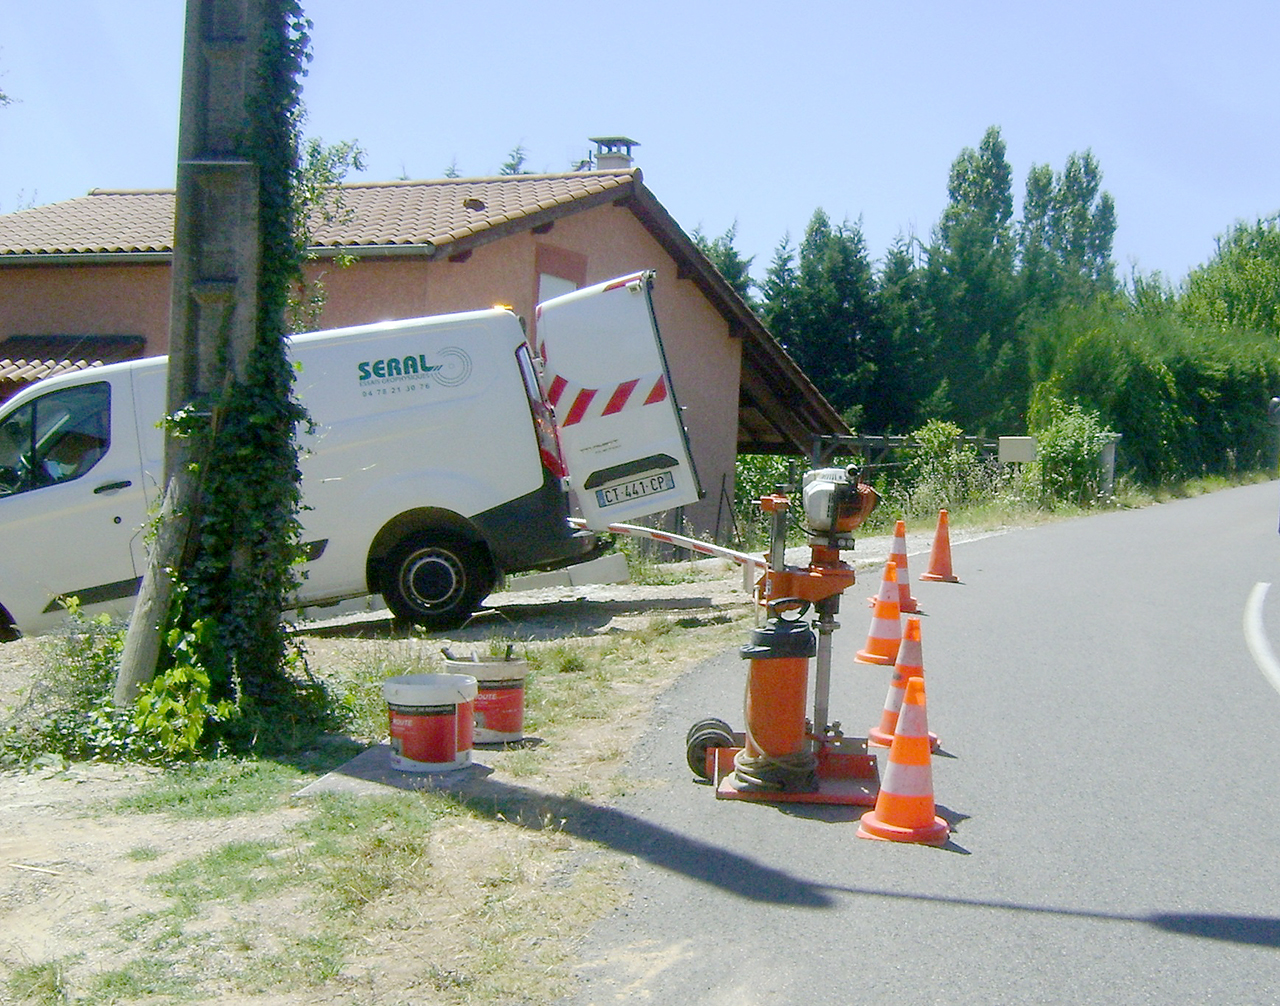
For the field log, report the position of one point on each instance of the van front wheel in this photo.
(436, 582)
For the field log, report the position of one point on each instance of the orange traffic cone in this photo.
(940, 558)
(905, 811)
(898, 555)
(886, 629)
(910, 665)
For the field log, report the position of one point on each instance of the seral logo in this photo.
(452, 366)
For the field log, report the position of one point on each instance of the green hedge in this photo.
(1187, 400)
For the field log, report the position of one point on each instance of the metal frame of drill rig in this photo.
(780, 756)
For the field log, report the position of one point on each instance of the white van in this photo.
(434, 467)
(432, 470)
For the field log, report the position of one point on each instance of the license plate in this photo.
(625, 491)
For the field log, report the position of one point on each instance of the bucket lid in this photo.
(429, 689)
(490, 670)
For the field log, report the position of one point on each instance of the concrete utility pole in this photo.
(213, 295)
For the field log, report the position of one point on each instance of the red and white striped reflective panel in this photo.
(574, 403)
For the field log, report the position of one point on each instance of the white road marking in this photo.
(1256, 638)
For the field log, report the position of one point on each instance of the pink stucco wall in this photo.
(98, 300)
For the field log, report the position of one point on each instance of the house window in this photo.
(559, 270)
(553, 286)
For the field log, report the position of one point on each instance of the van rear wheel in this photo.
(436, 582)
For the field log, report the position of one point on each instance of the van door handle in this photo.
(110, 487)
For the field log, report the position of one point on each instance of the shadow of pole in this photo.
(1253, 930)
(700, 861)
(730, 871)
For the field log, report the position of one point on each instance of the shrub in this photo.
(1188, 400)
(943, 471)
(1067, 456)
(66, 713)
(69, 712)
(757, 475)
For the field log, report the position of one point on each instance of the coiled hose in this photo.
(793, 773)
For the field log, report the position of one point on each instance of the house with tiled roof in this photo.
(86, 281)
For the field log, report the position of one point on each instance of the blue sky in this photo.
(754, 112)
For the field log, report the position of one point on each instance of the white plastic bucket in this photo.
(432, 721)
(499, 710)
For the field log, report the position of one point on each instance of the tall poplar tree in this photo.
(972, 295)
(1065, 237)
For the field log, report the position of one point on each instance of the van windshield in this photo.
(55, 438)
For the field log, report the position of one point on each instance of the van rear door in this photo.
(621, 435)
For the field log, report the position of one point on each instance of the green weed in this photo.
(141, 979)
(237, 871)
(43, 984)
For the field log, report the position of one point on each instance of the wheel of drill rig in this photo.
(710, 721)
(705, 735)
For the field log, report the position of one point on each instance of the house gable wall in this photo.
(599, 243)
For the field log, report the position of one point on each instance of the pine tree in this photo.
(725, 257)
(907, 370)
(822, 308)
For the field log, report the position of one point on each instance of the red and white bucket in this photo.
(499, 715)
(432, 721)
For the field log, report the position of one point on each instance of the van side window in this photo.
(56, 438)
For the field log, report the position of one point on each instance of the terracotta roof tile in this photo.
(386, 213)
(436, 214)
(27, 358)
(98, 222)
(440, 212)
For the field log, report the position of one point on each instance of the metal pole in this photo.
(826, 624)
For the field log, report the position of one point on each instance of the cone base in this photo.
(933, 834)
(867, 657)
(939, 577)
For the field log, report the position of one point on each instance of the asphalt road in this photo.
(1110, 768)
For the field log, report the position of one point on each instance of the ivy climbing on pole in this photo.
(240, 565)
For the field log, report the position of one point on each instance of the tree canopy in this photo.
(821, 306)
(1065, 237)
(1004, 323)
(1239, 287)
(945, 329)
(725, 257)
